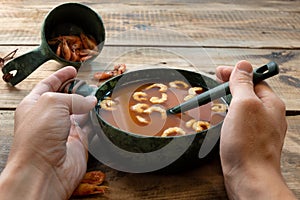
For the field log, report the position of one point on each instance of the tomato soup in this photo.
(140, 108)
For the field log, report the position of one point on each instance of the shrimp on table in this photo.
(93, 177)
(85, 189)
(91, 184)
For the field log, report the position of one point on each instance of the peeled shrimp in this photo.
(219, 107)
(162, 87)
(140, 96)
(139, 108)
(173, 130)
(178, 84)
(192, 92)
(199, 126)
(142, 119)
(156, 100)
(157, 109)
(190, 123)
(195, 90)
(108, 104)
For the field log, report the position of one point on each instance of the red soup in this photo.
(140, 108)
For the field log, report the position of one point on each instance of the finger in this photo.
(223, 73)
(73, 103)
(50, 84)
(268, 96)
(77, 132)
(53, 82)
(263, 90)
(241, 84)
(81, 120)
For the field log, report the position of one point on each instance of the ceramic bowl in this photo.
(161, 152)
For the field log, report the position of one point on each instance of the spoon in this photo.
(259, 74)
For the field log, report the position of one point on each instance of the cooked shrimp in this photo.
(139, 108)
(192, 92)
(93, 177)
(90, 184)
(178, 84)
(188, 97)
(173, 130)
(199, 126)
(142, 119)
(108, 104)
(195, 90)
(120, 68)
(162, 87)
(88, 42)
(219, 107)
(190, 123)
(140, 96)
(157, 109)
(102, 75)
(156, 100)
(66, 51)
(87, 189)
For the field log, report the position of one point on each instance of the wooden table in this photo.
(171, 33)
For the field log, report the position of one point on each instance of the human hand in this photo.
(49, 153)
(252, 137)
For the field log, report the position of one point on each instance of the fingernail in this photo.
(244, 66)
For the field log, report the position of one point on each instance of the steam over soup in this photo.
(140, 108)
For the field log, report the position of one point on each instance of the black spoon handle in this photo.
(259, 74)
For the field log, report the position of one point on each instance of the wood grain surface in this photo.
(196, 35)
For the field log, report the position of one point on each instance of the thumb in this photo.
(241, 80)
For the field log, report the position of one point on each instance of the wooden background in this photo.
(197, 35)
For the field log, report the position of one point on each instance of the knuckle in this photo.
(250, 103)
(50, 97)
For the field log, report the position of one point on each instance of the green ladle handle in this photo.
(24, 65)
(259, 74)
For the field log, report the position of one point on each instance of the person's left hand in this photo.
(48, 142)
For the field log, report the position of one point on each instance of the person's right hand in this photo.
(252, 137)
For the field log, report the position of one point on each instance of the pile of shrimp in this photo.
(103, 75)
(75, 48)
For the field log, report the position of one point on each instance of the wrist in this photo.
(25, 181)
(256, 183)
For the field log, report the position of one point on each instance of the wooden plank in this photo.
(286, 84)
(6, 135)
(258, 24)
(200, 183)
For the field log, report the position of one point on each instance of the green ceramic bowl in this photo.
(171, 152)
